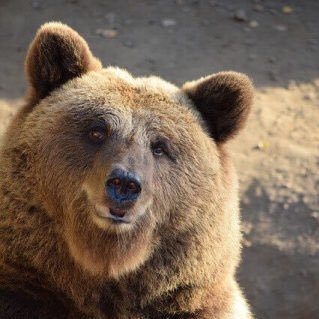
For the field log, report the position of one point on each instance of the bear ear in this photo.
(224, 100)
(56, 55)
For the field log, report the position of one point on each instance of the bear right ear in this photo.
(56, 55)
(224, 100)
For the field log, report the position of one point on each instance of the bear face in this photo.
(131, 172)
(98, 124)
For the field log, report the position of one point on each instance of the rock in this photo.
(167, 23)
(281, 27)
(263, 146)
(253, 24)
(107, 33)
(287, 9)
(240, 15)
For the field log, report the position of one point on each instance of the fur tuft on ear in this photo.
(224, 99)
(56, 55)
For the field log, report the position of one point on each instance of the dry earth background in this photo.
(277, 156)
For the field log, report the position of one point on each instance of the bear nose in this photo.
(123, 187)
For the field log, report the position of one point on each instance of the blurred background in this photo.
(277, 156)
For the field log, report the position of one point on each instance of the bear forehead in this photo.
(149, 103)
(114, 87)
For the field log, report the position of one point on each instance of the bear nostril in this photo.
(114, 182)
(132, 187)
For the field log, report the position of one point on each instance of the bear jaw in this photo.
(112, 251)
(108, 267)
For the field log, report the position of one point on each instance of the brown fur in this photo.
(177, 258)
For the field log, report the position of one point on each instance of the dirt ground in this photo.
(277, 44)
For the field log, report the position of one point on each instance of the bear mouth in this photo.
(115, 216)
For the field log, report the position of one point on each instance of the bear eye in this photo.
(159, 148)
(97, 134)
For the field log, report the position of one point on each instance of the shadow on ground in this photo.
(280, 265)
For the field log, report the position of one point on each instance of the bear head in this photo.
(119, 163)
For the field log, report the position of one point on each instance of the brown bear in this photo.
(118, 198)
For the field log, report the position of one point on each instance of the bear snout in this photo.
(123, 187)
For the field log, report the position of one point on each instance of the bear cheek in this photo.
(52, 176)
(180, 203)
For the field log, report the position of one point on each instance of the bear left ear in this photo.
(57, 54)
(224, 100)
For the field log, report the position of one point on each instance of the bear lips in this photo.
(115, 215)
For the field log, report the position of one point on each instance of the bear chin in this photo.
(110, 251)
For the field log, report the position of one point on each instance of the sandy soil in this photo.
(277, 156)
